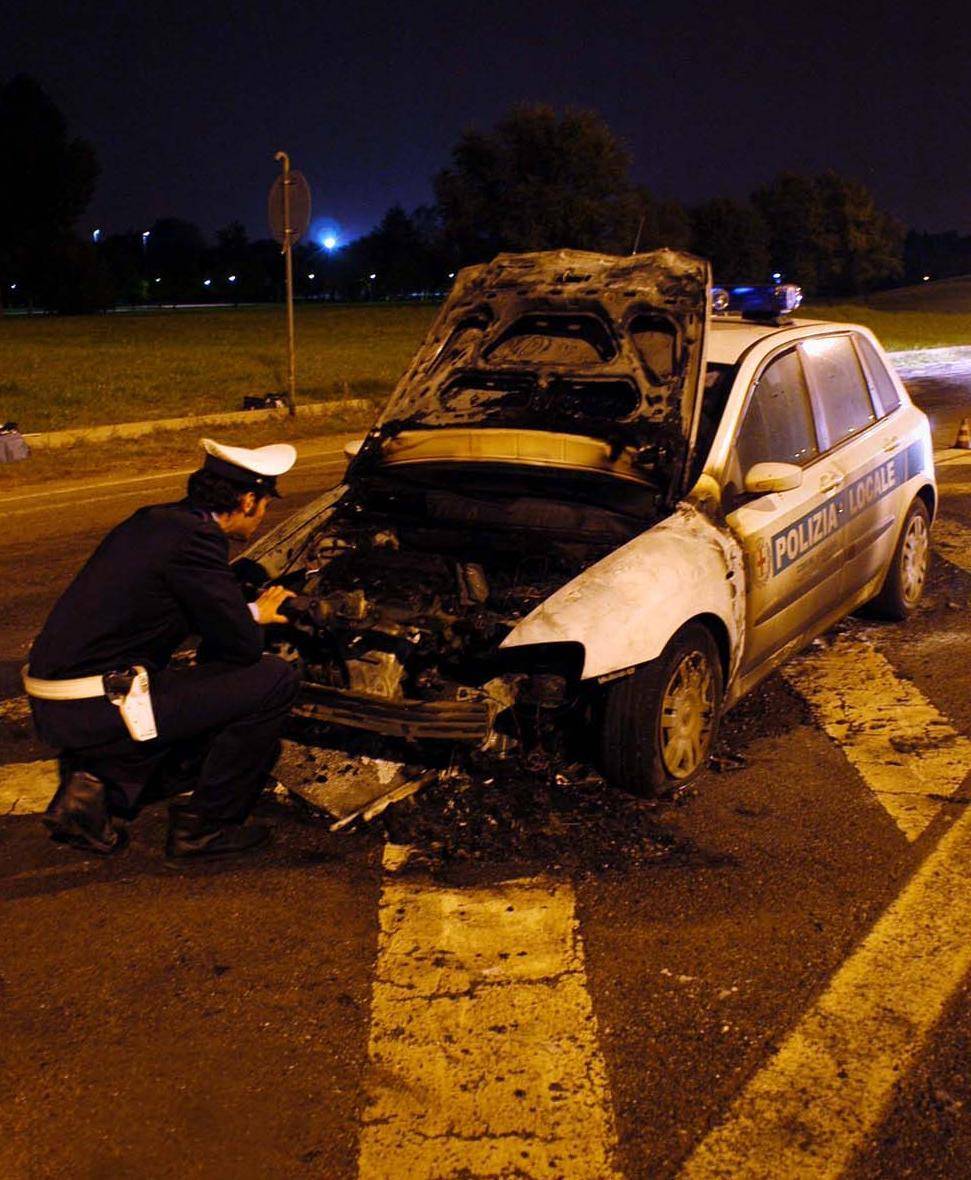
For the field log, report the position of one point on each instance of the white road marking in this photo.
(483, 1055)
(311, 457)
(26, 787)
(907, 752)
(948, 488)
(953, 541)
(812, 1107)
(122, 494)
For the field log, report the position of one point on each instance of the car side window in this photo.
(778, 423)
(842, 397)
(884, 391)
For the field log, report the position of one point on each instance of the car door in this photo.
(864, 442)
(792, 540)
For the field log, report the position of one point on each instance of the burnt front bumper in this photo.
(465, 720)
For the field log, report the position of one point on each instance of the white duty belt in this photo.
(134, 700)
(81, 689)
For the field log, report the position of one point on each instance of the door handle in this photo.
(828, 482)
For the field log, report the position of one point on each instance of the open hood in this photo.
(533, 353)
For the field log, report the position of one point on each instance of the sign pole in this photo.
(288, 235)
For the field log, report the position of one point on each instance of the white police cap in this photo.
(255, 467)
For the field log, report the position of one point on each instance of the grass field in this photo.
(930, 315)
(56, 373)
(85, 370)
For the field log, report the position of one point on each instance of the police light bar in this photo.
(757, 303)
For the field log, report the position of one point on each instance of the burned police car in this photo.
(593, 499)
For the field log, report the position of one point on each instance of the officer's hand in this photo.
(268, 604)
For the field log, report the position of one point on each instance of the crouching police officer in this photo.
(125, 723)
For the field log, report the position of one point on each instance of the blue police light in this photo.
(757, 303)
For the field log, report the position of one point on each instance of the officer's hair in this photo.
(214, 493)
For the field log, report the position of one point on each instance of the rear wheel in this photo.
(906, 577)
(659, 723)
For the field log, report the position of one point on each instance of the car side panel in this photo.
(624, 609)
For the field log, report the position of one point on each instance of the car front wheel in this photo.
(906, 577)
(659, 722)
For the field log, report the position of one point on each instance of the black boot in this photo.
(195, 836)
(78, 815)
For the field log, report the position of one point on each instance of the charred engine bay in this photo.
(411, 585)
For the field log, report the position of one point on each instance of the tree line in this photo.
(538, 180)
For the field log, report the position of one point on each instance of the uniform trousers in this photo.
(218, 724)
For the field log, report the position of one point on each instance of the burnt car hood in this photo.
(566, 359)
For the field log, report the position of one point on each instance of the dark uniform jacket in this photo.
(157, 578)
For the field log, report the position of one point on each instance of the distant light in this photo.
(311, 275)
(96, 236)
(13, 286)
(158, 278)
(372, 276)
(776, 275)
(232, 278)
(329, 241)
(927, 278)
(451, 274)
(146, 234)
(206, 282)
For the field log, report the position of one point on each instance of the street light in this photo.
(206, 282)
(146, 234)
(96, 236)
(232, 278)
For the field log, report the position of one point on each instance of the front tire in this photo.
(659, 723)
(906, 577)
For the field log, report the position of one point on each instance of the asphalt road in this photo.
(750, 976)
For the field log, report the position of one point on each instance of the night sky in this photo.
(187, 102)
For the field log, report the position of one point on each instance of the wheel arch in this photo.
(719, 632)
(928, 493)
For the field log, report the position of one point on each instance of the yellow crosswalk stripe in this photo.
(26, 787)
(953, 541)
(809, 1110)
(483, 1054)
(906, 751)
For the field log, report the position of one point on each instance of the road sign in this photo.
(299, 219)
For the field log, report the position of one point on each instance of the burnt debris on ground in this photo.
(534, 811)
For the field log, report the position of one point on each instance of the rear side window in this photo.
(884, 391)
(843, 400)
(778, 423)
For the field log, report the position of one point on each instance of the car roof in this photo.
(731, 336)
